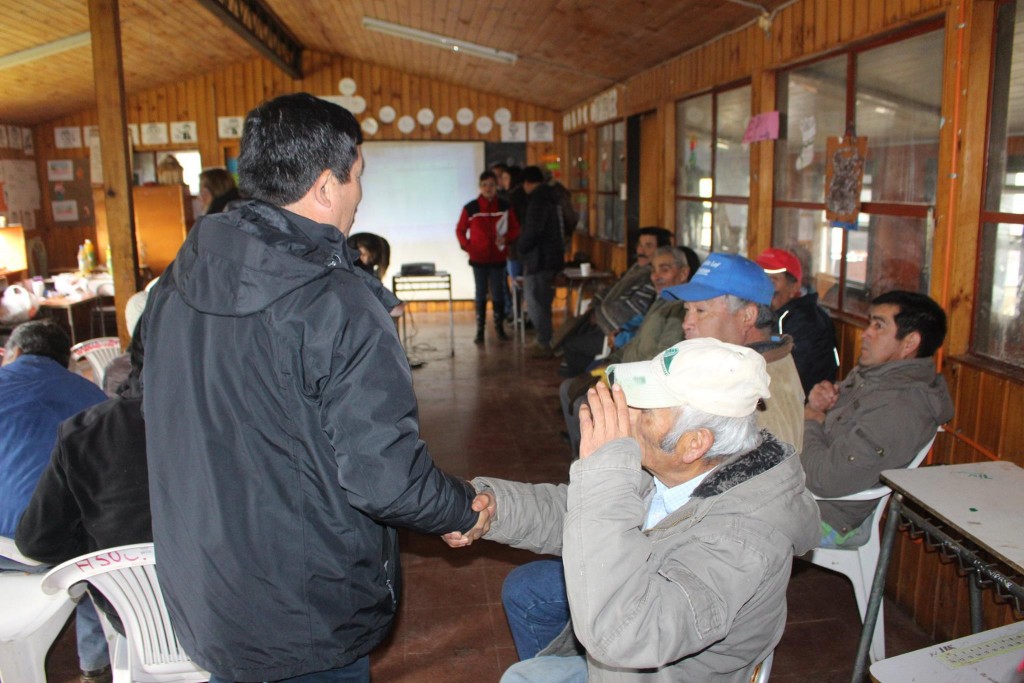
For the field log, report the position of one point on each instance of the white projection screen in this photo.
(413, 193)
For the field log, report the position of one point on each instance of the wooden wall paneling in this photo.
(992, 391)
(1012, 448)
(846, 21)
(968, 402)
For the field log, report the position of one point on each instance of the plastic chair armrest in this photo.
(9, 549)
(869, 494)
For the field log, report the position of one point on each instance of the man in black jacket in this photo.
(802, 318)
(281, 424)
(542, 254)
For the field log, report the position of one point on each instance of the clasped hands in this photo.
(822, 398)
(605, 419)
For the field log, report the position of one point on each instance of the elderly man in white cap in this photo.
(677, 528)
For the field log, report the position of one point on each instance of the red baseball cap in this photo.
(780, 261)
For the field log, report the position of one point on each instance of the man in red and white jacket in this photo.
(486, 227)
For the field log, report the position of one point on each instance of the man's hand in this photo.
(487, 506)
(823, 396)
(603, 418)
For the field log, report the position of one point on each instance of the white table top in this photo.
(987, 656)
(983, 501)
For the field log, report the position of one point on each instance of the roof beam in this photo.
(47, 50)
(254, 22)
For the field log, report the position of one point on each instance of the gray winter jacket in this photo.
(885, 414)
(701, 596)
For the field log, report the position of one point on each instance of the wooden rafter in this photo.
(254, 22)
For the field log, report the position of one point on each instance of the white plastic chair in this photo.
(99, 352)
(149, 651)
(858, 563)
(29, 622)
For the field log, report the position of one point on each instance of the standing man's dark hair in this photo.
(40, 338)
(663, 236)
(918, 313)
(533, 174)
(287, 142)
(488, 175)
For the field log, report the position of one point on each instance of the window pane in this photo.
(812, 105)
(999, 324)
(1006, 131)
(580, 202)
(611, 218)
(693, 146)
(819, 248)
(732, 157)
(889, 254)
(606, 158)
(578, 168)
(620, 154)
(899, 98)
(693, 226)
(730, 228)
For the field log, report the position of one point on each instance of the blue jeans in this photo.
(539, 290)
(493, 278)
(536, 605)
(356, 672)
(548, 670)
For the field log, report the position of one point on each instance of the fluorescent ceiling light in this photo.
(47, 50)
(452, 44)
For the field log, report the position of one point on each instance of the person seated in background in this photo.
(487, 225)
(583, 337)
(800, 316)
(662, 327)
(217, 189)
(885, 411)
(120, 368)
(38, 392)
(677, 528)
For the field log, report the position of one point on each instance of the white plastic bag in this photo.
(18, 305)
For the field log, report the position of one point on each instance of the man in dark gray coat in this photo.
(281, 423)
(542, 254)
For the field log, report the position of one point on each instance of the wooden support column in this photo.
(105, 25)
(762, 163)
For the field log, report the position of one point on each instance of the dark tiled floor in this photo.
(490, 411)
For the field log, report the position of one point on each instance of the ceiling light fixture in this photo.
(452, 44)
(47, 50)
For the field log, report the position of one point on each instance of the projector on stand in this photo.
(418, 269)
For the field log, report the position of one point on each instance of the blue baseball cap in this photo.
(722, 274)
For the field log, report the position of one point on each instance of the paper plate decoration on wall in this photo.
(425, 116)
(369, 126)
(484, 125)
(464, 116)
(502, 116)
(406, 124)
(386, 114)
(445, 125)
(358, 104)
(347, 86)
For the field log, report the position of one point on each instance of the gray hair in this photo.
(733, 435)
(678, 256)
(765, 315)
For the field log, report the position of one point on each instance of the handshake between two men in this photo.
(676, 531)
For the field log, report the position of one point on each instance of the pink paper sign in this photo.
(762, 127)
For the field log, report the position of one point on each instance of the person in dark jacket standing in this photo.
(281, 424)
(486, 228)
(802, 318)
(542, 255)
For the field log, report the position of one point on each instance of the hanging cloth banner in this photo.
(844, 177)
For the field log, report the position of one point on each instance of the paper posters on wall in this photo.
(14, 136)
(229, 127)
(88, 132)
(541, 131)
(67, 137)
(808, 132)
(60, 169)
(21, 186)
(154, 133)
(133, 131)
(95, 157)
(27, 145)
(3, 136)
(513, 131)
(844, 178)
(183, 132)
(762, 127)
(65, 210)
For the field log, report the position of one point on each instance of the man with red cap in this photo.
(802, 318)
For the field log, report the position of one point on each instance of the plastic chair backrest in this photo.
(126, 576)
(99, 352)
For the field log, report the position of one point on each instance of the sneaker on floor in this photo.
(97, 676)
(538, 351)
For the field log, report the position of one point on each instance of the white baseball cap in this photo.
(706, 374)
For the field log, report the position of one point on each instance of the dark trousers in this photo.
(489, 277)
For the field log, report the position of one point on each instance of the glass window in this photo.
(893, 92)
(713, 171)
(999, 313)
(579, 179)
(611, 176)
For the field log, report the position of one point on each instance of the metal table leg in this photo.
(877, 590)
